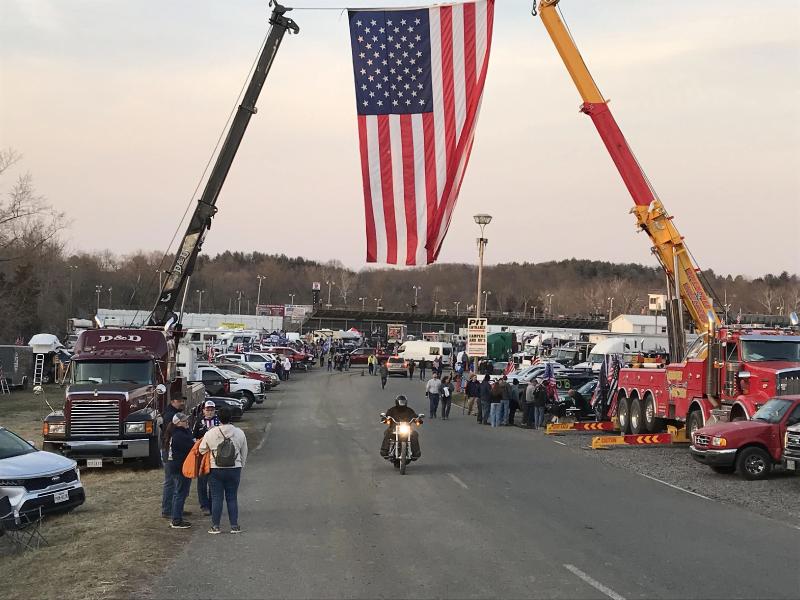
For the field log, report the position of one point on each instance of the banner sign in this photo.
(476, 337)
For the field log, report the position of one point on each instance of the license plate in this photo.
(791, 465)
(61, 496)
(94, 463)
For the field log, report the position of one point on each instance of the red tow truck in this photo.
(729, 371)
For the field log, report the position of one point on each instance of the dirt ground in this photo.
(114, 541)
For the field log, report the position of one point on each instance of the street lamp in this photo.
(549, 299)
(200, 300)
(292, 297)
(258, 296)
(610, 310)
(486, 294)
(330, 283)
(377, 303)
(239, 298)
(97, 289)
(482, 220)
(416, 288)
(457, 304)
(363, 299)
(109, 296)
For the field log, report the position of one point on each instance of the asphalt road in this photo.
(504, 513)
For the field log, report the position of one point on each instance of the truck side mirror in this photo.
(161, 389)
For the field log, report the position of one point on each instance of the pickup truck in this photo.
(791, 448)
(753, 448)
(219, 382)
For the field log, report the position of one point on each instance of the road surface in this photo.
(505, 513)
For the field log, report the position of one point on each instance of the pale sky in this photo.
(117, 105)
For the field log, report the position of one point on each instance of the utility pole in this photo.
(97, 289)
(109, 296)
(610, 310)
(457, 304)
(200, 300)
(330, 283)
(482, 220)
(258, 296)
(239, 292)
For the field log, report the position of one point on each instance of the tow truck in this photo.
(729, 372)
(123, 378)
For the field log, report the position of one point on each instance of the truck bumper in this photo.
(138, 448)
(714, 458)
(791, 461)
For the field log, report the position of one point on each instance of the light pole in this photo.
(258, 296)
(330, 283)
(416, 288)
(457, 304)
(363, 300)
(239, 294)
(435, 306)
(610, 310)
(549, 298)
(486, 294)
(200, 300)
(109, 296)
(377, 304)
(97, 289)
(482, 220)
(292, 298)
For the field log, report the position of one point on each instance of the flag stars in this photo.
(402, 21)
(366, 30)
(373, 22)
(416, 21)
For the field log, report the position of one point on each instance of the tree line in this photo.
(42, 284)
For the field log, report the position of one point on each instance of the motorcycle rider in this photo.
(402, 413)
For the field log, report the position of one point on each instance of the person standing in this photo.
(410, 369)
(330, 363)
(514, 404)
(495, 407)
(287, 367)
(177, 444)
(175, 406)
(485, 391)
(422, 368)
(370, 365)
(433, 390)
(539, 402)
(473, 393)
(505, 400)
(384, 374)
(447, 396)
(279, 367)
(228, 447)
(208, 420)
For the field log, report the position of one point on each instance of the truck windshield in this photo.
(772, 411)
(596, 359)
(761, 350)
(92, 371)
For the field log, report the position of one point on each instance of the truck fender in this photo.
(741, 407)
(705, 409)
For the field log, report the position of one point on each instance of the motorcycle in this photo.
(400, 445)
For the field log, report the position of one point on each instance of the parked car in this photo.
(244, 371)
(397, 366)
(359, 356)
(33, 479)
(299, 360)
(752, 447)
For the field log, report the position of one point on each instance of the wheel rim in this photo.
(623, 413)
(635, 419)
(755, 465)
(649, 412)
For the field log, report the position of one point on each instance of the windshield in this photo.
(587, 389)
(13, 445)
(565, 353)
(90, 371)
(772, 411)
(760, 350)
(596, 359)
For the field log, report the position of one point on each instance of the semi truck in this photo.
(729, 371)
(122, 378)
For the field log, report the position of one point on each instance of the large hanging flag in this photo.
(419, 78)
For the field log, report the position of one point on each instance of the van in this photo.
(429, 351)
(623, 345)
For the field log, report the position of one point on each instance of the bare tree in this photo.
(767, 299)
(347, 281)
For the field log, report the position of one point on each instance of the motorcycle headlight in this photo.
(135, 427)
(719, 442)
(404, 429)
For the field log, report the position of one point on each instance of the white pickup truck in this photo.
(249, 390)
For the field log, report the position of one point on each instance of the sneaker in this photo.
(236, 529)
(180, 524)
(214, 530)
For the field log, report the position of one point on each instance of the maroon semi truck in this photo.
(120, 382)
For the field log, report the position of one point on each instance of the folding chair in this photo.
(23, 532)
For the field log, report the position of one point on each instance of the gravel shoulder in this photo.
(116, 540)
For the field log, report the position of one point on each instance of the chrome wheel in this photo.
(755, 465)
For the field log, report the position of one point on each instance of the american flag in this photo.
(419, 78)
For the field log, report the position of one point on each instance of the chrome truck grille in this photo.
(793, 445)
(788, 383)
(96, 418)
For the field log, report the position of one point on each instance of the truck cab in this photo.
(120, 382)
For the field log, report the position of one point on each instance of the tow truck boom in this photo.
(200, 223)
(651, 216)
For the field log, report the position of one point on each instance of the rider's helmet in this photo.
(401, 400)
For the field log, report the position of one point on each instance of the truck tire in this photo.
(153, 460)
(693, 422)
(637, 416)
(249, 398)
(754, 463)
(651, 421)
(623, 414)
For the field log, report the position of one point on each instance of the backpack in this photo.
(225, 454)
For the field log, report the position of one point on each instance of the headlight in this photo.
(404, 429)
(719, 442)
(135, 427)
(55, 428)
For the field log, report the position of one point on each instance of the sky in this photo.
(116, 106)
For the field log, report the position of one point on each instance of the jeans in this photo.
(383, 381)
(434, 404)
(446, 402)
(422, 374)
(330, 365)
(504, 412)
(369, 368)
(485, 411)
(225, 484)
(203, 495)
(539, 412)
(182, 485)
(495, 412)
(169, 487)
